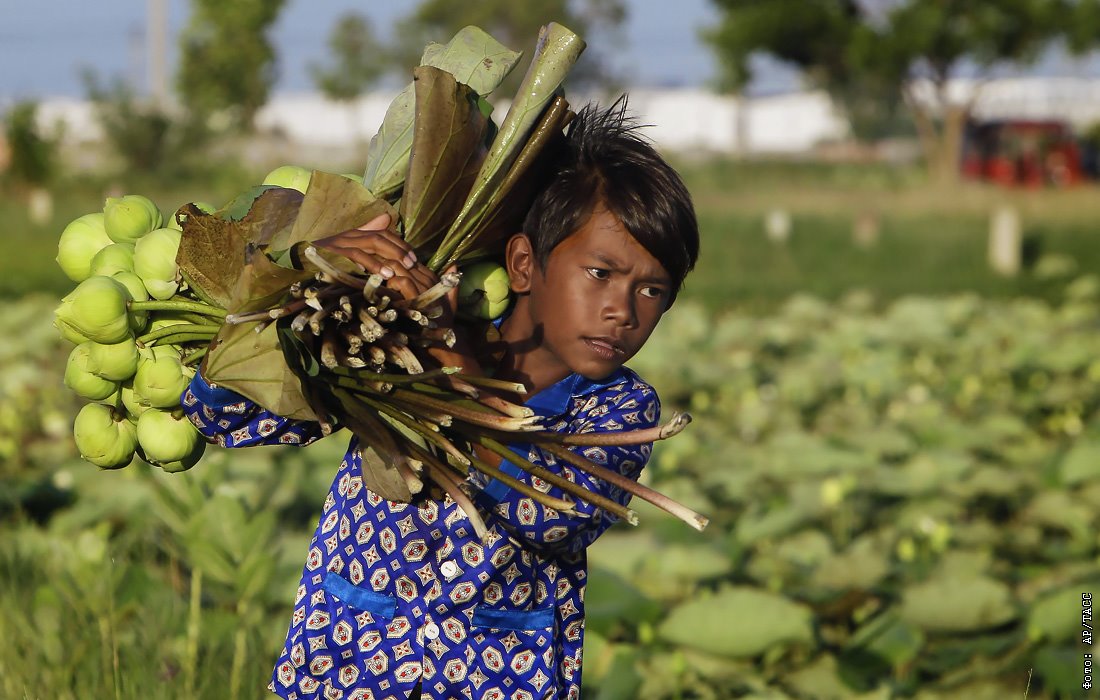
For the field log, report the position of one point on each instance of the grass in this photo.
(932, 240)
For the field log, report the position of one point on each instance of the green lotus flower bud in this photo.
(115, 362)
(291, 176)
(126, 219)
(104, 437)
(81, 379)
(134, 403)
(113, 258)
(155, 262)
(138, 319)
(97, 310)
(204, 207)
(484, 289)
(79, 243)
(165, 436)
(184, 464)
(69, 333)
(161, 377)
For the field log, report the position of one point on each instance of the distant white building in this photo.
(682, 120)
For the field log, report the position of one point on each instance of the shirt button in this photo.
(448, 568)
(431, 631)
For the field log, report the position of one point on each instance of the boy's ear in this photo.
(519, 258)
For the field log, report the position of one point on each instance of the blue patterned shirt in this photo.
(395, 594)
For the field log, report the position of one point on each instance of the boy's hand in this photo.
(377, 248)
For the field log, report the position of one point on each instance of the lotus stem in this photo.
(371, 329)
(301, 321)
(412, 482)
(179, 328)
(451, 485)
(427, 433)
(194, 357)
(558, 504)
(400, 378)
(614, 478)
(370, 287)
(195, 307)
(673, 426)
(484, 419)
(344, 278)
(597, 500)
(446, 283)
(489, 382)
(180, 339)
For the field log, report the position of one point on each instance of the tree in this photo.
(514, 24)
(875, 55)
(359, 59)
(227, 63)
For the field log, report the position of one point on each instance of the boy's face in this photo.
(598, 299)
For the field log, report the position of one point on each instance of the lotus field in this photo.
(904, 503)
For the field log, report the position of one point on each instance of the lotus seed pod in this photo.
(81, 379)
(484, 289)
(161, 377)
(79, 242)
(138, 319)
(165, 437)
(97, 310)
(291, 176)
(113, 258)
(155, 262)
(104, 437)
(204, 207)
(134, 403)
(127, 219)
(115, 362)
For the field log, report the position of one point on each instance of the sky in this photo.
(45, 44)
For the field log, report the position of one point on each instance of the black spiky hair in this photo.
(604, 159)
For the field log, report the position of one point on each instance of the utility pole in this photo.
(156, 50)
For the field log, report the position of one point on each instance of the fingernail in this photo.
(387, 272)
(409, 260)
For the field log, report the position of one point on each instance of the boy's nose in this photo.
(620, 309)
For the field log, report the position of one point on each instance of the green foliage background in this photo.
(899, 451)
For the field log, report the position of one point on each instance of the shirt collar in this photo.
(555, 399)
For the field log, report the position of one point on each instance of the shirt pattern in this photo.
(393, 594)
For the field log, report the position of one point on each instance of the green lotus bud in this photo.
(97, 310)
(161, 377)
(104, 437)
(138, 319)
(79, 243)
(155, 262)
(126, 219)
(81, 379)
(69, 333)
(484, 290)
(184, 464)
(113, 258)
(116, 361)
(291, 176)
(165, 436)
(204, 207)
(134, 403)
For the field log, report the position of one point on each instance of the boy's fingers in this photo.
(382, 221)
(374, 264)
(384, 243)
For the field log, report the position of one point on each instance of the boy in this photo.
(404, 600)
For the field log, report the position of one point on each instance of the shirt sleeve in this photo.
(230, 420)
(633, 409)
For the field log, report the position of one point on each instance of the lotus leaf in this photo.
(958, 604)
(738, 622)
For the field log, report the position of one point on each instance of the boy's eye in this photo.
(653, 292)
(599, 273)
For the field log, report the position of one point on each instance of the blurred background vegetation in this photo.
(896, 433)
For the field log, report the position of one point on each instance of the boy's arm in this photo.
(632, 409)
(231, 420)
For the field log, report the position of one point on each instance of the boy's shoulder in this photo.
(622, 391)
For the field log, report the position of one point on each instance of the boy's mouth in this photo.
(605, 347)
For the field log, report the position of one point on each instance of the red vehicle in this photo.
(1022, 153)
